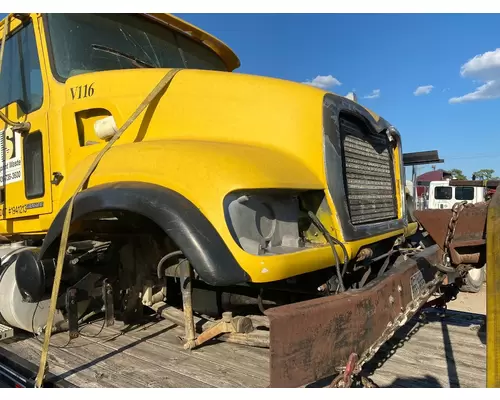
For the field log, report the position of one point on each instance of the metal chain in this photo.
(400, 320)
(390, 330)
(414, 305)
(452, 225)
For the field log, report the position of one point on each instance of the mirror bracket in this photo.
(22, 127)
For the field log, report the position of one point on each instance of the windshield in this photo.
(83, 43)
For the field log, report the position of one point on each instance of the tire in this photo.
(474, 280)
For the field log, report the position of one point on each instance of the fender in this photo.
(176, 215)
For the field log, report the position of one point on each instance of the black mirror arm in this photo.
(17, 126)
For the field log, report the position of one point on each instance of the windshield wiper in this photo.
(136, 61)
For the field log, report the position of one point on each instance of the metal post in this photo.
(493, 293)
(414, 184)
(187, 302)
(72, 310)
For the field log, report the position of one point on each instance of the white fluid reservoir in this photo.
(105, 128)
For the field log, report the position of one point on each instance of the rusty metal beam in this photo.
(421, 157)
(491, 184)
(493, 294)
(310, 339)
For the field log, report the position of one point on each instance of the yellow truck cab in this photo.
(256, 182)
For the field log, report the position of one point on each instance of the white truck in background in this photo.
(441, 195)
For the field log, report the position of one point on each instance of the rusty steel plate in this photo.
(471, 224)
(310, 339)
(469, 241)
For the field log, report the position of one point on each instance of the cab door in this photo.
(24, 157)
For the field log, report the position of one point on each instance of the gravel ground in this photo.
(470, 302)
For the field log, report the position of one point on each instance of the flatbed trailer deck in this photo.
(430, 351)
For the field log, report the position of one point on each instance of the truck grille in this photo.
(369, 179)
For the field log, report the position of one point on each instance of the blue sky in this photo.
(394, 54)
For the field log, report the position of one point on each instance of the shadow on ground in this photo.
(403, 335)
(427, 381)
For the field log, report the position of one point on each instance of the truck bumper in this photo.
(309, 340)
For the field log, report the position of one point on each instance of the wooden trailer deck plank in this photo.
(434, 352)
(219, 371)
(440, 352)
(122, 367)
(88, 364)
(221, 354)
(60, 364)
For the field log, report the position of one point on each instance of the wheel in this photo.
(474, 280)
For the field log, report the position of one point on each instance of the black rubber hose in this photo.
(335, 240)
(159, 270)
(346, 257)
(331, 240)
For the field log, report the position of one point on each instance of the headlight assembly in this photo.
(264, 223)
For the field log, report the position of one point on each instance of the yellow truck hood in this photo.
(208, 106)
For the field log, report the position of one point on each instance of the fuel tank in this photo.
(14, 309)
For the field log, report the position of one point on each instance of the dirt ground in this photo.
(470, 302)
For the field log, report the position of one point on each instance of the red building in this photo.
(424, 179)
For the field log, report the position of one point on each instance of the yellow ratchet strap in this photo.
(67, 221)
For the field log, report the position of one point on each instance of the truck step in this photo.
(6, 332)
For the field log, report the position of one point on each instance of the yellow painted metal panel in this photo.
(493, 293)
(209, 134)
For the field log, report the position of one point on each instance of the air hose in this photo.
(67, 221)
(332, 241)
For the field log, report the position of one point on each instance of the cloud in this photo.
(421, 90)
(490, 90)
(483, 68)
(375, 94)
(324, 82)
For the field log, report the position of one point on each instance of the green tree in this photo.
(485, 174)
(457, 174)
